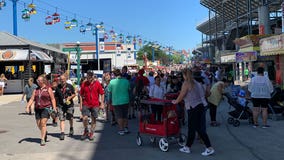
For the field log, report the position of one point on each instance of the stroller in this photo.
(167, 128)
(276, 103)
(240, 112)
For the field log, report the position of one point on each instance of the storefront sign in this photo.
(13, 54)
(272, 45)
(246, 56)
(228, 58)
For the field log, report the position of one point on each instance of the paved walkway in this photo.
(19, 140)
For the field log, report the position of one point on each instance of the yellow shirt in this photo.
(216, 96)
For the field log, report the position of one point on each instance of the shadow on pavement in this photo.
(32, 140)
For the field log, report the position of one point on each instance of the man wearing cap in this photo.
(90, 93)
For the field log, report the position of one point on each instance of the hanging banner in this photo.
(246, 56)
(47, 69)
(107, 66)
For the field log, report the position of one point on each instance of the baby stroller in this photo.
(276, 103)
(240, 112)
(166, 129)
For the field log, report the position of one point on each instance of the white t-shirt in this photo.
(157, 91)
(260, 87)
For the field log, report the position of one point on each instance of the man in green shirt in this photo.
(119, 90)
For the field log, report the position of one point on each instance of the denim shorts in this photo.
(90, 111)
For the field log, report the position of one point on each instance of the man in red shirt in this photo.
(91, 94)
(141, 83)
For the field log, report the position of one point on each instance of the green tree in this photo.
(177, 58)
(159, 54)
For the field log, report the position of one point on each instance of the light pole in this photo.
(97, 45)
(97, 27)
(15, 25)
(78, 62)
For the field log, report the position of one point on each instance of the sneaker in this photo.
(255, 126)
(266, 126)
(185, 149)
(121, 133)
(126, 131)
(207, 152)
(91, 136)
(85, 135)
(71, 132)
(42, 142)
(61, 137)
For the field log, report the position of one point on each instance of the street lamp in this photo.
(78, 49)
(97, 27)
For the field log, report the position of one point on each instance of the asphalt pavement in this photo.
(19, 140)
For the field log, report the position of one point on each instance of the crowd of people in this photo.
(116, 92)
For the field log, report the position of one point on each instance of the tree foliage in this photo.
(159, 54)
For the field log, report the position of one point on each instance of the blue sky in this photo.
(170, 22)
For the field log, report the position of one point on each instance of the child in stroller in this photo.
(241, 110)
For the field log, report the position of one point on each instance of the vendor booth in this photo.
(21, 59)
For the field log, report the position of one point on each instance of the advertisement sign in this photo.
(47, 69)
(246, 56)
(228, 58)
(271, 43)
(107, 66)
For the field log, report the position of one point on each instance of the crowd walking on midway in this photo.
(116, 92)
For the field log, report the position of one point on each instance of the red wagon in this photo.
(166, 129)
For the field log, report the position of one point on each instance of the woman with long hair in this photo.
(193, 95)
(3, 81)
(43, 98)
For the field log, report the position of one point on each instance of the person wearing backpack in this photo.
(28, 91)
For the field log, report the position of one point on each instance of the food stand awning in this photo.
(23, 55)
(273, 45)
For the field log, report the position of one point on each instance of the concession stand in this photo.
(273, 48)
(21, 59)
